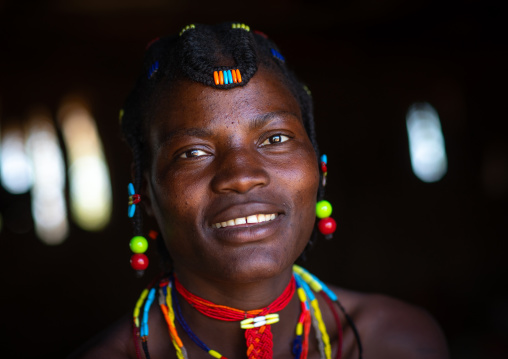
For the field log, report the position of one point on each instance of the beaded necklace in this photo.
(330, 298)
(310, 313)
(257, 323)
(300, 344)
(316, 317)
(166, 304)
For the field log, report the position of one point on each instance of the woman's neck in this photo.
(243, 296)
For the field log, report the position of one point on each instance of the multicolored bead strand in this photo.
(330, 297)
(321, 325)
(301, 341)
(166, 304)
(316, 324)
(144, 323)
(316, 285)
(337, 323)
(187, 329)
(140, 329)
(135, 318)
(146, 311)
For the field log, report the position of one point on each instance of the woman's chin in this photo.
(255, 267)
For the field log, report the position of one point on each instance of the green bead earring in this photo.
(326, 224)
(139, 260)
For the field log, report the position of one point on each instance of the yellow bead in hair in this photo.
(240, 26)
(120, 115)
(188, 27)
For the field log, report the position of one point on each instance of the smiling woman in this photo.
(226, 161)
(238, 172)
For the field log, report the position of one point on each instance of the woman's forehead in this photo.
(190, 103)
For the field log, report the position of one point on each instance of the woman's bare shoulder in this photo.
(391, 328)
(115, 342)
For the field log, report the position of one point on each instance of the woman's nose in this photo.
(240, 171)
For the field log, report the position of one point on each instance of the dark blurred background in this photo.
(439, 245)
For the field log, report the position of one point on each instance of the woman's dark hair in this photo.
(195, 54)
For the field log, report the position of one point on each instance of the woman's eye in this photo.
(193, 153)
(275, 139)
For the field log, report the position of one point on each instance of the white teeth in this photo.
(252, 219)
(255, 218)
(240, 220)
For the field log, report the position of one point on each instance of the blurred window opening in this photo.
(15, 168)
(426, 143)
(89, 180)
(48, 191)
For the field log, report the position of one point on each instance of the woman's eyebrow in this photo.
(262, 120)
(184, 132)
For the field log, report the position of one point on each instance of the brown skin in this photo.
(214, 158)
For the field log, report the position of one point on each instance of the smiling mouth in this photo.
(253, 219)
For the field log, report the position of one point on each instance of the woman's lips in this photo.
(247, 221)
(250, 232)
(251, 219)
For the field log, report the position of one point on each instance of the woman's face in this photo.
(233, 157)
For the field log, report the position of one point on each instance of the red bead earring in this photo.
(326, 224)
(139, 245)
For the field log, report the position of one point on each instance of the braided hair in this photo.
(196, 53)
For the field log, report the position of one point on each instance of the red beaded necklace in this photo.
(259, 339)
